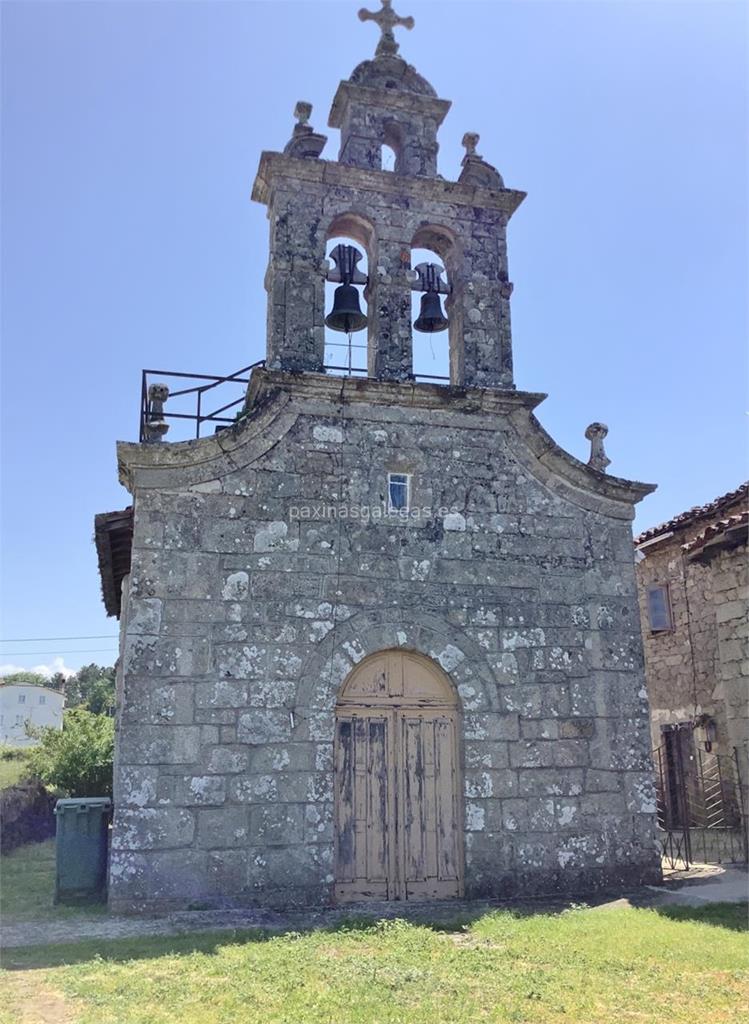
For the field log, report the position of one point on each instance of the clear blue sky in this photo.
(131, 135)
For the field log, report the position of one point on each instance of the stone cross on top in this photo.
(387, 20)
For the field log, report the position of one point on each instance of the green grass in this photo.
(13, 762)
(580, 966)
(583, 965)
(27, 886)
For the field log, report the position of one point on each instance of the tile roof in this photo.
(113, 534)
(695, 515)
(726, 533)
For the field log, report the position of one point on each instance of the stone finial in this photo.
(304, 142)
(470, 141)
(387, 20)
(302, 112)
(476, 171)
(595, 433)
(155, 427)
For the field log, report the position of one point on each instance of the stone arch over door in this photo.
(398, 787)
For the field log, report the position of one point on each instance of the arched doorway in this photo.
(397, 785)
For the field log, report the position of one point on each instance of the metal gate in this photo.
(699, 804)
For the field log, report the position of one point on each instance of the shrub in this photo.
(76, 759)
(26, 814)
(8, 753)
(13, 765)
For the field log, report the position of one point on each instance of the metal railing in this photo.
(194, 409)
(190, 405)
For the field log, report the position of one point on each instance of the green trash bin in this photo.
(82, 838)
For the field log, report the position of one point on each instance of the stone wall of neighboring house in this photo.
(729, 570)
(684, 663)
(731, 595)
(681, 662)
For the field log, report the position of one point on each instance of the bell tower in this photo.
(388, 213)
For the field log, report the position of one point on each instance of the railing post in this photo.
(743, 824)
(703, 802)
(683, 800)
(143, 405)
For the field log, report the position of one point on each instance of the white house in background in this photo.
(25, 703)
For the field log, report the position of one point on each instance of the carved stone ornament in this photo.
(155, 426)
(476, 171)
(387, 20)
(305, 143)
(595, 433)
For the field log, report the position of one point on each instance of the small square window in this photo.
(397, 492)
(43, 698)
(19, 719)
(21, 698)
(659, 608)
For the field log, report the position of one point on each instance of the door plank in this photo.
(345, 799)
(447, 799)
(377, 810)
(362, 795)
(414, 824)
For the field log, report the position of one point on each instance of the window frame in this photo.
(403, 509)
(666, 590)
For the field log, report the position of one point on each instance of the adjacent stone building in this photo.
(694, 603)
(380, 639)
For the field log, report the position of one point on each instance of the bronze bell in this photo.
(431, 318)
(346, 314)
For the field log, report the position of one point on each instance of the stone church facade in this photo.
(331, 689)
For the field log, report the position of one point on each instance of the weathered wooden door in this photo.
(398, 820)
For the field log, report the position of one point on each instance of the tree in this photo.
(92, 687)
(24, 679)
(76, 759)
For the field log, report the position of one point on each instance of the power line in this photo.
(47, 639)
(85, 650)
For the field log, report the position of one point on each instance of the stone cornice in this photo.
(410, 394)
(277, 167)
(348, 92)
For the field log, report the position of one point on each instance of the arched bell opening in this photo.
(347, 247)
(391, 153)
(398, 781)
(388, 158)
(432, 259)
